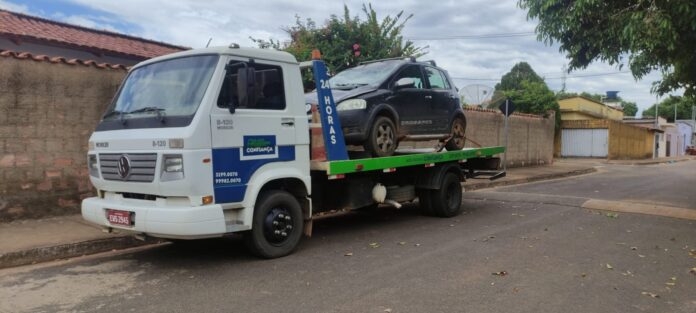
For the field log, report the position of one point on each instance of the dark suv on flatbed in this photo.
(384, 102)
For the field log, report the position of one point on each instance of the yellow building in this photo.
(581, 108)
(593, 129)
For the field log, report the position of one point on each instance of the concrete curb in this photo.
(70, 250)
(628, 162)
(517, 181)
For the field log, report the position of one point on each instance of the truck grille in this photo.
(141, 166)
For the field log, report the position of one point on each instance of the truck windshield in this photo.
(371, 74)
(171, 88)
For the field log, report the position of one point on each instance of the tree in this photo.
(527, 91)
(629, 108)
(652, 35)
(346, 41)
(666, 108)
(520, 72)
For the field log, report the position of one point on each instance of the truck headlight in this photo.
(93, 165)
(172, 167)
(173, 163)
(351, 104)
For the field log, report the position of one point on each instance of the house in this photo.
(690, 137)
(593, 129)
(56, 80)
(668, 136)
(37, 36)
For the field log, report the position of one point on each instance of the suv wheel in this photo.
(381, 141)
(458, 135)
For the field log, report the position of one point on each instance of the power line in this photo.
(545, 78)
(478, 36)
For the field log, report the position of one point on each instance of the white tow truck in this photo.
(213, 141)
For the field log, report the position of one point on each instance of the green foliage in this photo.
(646, 35)
(666, 108)
(520, 72)
(527, 91)
(378, 39)
(629, 108)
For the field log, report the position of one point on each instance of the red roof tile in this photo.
(23, 27)
(45, 58)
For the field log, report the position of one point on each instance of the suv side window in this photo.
(411, 71)
(436, 78)
(270, 93)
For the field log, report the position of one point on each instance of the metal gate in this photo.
(585, 142)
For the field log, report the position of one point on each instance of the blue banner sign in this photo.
(330, 124)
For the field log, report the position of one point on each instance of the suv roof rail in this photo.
(431, 62)
(412, 59)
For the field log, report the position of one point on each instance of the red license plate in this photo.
(117, 217)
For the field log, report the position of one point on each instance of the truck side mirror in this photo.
(246, 87)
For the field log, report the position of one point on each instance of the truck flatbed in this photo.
(405, 158)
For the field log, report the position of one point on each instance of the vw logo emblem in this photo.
(123, 166)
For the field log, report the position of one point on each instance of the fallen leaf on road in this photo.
(693, 271)
(654, 295)
(402, 243)
(612, 215)
(634, 248)
(374, 245)
(641, 256)
(501, 273)
(670, 284)
(387, 310)
(609, 266)
(417, 245)
(583, 275)
(348, 254)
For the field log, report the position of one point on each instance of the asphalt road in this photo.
(529, 248)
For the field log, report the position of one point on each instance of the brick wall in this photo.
(530, 140)
(47, 112)
(531, 137)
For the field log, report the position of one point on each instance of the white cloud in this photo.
(191, 23)
(21, 8)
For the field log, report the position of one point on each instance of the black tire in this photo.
(381, 140)
(447, 201)
(458, 132)
(277, 226)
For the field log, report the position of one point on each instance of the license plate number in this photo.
(117, 217)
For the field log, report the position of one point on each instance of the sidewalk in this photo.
(33, 241)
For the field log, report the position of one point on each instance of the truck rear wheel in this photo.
(277, 225)
(447, 200)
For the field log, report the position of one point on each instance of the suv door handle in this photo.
(287, 122)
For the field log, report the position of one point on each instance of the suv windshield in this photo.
(164, 89)
(368, 74)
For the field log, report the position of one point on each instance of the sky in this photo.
(476, 41)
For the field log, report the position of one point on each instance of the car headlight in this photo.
(173, 163)
(93, 165)
(352, 104)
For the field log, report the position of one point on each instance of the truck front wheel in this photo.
(447, 200)
(277, 225)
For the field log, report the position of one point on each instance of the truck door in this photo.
(260, 130)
